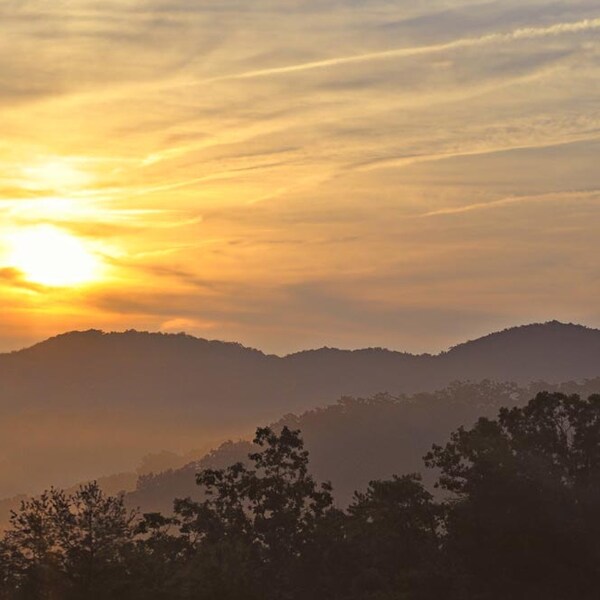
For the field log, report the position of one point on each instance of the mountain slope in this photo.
(358, 440)
(84, 404)
(148, 369)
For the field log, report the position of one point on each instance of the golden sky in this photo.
(291, 174)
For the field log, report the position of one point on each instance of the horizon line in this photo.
(182, 333)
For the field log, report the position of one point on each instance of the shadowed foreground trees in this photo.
(518, 518)
(67, 546)
(524, 517)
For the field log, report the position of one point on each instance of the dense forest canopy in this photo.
(519, 519)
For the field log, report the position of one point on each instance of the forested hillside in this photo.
(518, 520)
(360, 439)
(87, 404)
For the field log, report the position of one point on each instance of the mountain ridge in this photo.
(95, 402)
(94, 334)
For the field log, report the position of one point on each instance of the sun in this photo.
(52, 257)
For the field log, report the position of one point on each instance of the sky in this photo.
(292, 174)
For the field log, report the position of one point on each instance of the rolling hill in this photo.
(357, 440)
(85, 404)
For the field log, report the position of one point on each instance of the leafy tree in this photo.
(31, 553)
(155, 560)
(523, 517)
(395, 527)
(261, 521)
(68, 546)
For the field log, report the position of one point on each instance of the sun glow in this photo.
(49, 256)
(55, 174)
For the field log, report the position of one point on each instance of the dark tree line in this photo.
(517, 516)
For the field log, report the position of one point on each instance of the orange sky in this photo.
(299, 174)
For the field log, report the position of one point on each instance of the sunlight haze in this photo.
(298, 174)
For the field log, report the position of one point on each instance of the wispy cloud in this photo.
(510, 201)
(221, 158)
(528, 33)
(477, 149)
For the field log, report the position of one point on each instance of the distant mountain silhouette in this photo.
(84, 404)
(357, 440)
(153, 369)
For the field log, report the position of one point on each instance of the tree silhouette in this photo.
(518, 518)
(69, 546)
(394, 526)
(263, 519)
(522, 521)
